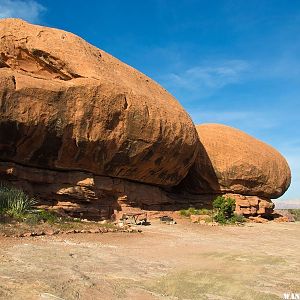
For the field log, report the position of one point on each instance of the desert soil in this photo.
(182, 261)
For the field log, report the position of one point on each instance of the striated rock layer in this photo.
(231, 161)
(251, 205)
(66, 105)
(82, 194)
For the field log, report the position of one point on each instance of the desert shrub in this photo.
(183, 212)
(295, 213)
(193, 211)
(38, 216)
(204, 211)
(220, 218)
(237, 219)
(225, 208)
(14, 201)
(187, 212)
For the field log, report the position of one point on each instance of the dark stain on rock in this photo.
(148, 155)
(121, 158)
(113, 120)
(158, 161)
(47, 153)
(9, 137)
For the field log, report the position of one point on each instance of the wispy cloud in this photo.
(28, 10)
(210, 76)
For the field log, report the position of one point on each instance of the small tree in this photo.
(225, 208)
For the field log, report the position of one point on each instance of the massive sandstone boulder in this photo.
(66, 105)
(231, 161)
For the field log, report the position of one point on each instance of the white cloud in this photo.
(213, 76)
(27, 10)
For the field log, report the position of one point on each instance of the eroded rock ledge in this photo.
(82, 194)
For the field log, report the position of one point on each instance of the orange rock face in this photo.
(251, 205)
(83, 194)
(231, 161)
(66, 105)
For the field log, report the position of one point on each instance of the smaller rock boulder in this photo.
(231, 161)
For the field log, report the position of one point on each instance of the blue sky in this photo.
(233, 62)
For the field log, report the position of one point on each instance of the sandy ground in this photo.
(182, 261)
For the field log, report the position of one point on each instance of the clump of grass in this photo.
(42, 216)
(237, 219)
(14, 202)
(193, 211)
(295, 213)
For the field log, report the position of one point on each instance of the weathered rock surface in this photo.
(285, 213)
(251, 205)
(66, 105)
(231, 161)
(83, 194)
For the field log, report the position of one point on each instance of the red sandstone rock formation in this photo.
(89, 135)
(66, 105)
(231, 161)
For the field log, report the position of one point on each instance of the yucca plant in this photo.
(14, 201)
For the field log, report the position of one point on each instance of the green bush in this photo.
(225, 208)
(14, 201)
